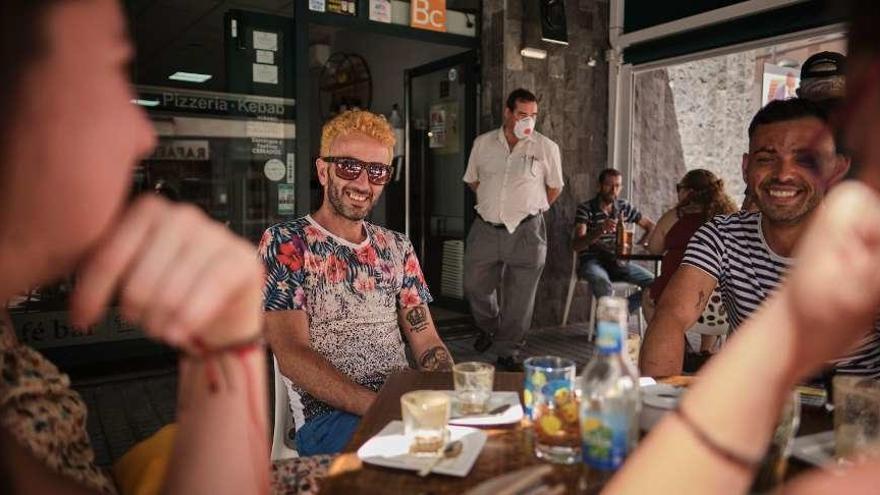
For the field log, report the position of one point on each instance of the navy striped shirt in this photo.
(733, 251)
(590, 213)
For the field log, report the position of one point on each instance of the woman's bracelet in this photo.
(727, 454)
(236, 347)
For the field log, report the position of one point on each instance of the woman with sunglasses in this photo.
(701, 196)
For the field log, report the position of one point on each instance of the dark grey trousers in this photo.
(501, 273)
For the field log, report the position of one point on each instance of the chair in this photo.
(714, 319)
(288, 415)
(616, 288)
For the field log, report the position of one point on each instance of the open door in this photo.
(441, 106)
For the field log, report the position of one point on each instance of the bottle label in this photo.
(608, 336)
(604, 440)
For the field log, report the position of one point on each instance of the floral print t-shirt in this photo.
(351, 292)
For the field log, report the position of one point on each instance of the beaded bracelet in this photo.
(728, 455)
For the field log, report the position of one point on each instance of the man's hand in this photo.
(179, 276)
(834, 293)
(609, 226)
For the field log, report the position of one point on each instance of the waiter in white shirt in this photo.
(517, 174)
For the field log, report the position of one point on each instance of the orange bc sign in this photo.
(428, 14)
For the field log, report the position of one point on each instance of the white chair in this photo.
(617, 288)
(288, 414)
(714, 319)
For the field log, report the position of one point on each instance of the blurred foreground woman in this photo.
(723, 425)
(69, 139)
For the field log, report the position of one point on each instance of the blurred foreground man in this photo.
(339, 290)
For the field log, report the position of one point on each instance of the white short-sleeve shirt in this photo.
(513, 183)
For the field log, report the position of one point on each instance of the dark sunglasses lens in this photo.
(348, 169)
(379, 174)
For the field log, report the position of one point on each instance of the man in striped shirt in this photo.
(594, 237)
(791, 164)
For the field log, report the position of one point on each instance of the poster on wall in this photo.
(380, 10)
(444, 128)
(286, 204)
(317, 5)
(779, 83)
(437, 129)
(346, 7)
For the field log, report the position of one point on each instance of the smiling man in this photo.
(791, 164)
(339, 290)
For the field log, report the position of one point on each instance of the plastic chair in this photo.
(288, 414)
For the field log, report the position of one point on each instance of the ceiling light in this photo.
(146, 103)
(530, 52)
(194, 77)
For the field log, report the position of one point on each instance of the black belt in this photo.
(501, 225)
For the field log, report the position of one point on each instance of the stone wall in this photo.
(573, 111)
(657, 155)
(715, 100)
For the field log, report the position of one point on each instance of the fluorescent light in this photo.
(146, 103)
(533, 53)
(189, 77)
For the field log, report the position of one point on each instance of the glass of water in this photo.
(473, 386)
(425, 416)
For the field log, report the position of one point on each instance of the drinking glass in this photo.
(771, 473)
(425, 415)
(856, 417)
(554, 408)
(473, 386)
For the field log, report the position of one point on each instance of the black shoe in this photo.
(483, 342)
(508, 364)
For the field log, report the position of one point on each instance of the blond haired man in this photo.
(339, 290)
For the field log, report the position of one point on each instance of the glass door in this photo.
(441, 104)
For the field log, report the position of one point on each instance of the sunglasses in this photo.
(348, 168)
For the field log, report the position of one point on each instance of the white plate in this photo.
(816, 449)
(513, 414)
(661, 396)
(389, 448)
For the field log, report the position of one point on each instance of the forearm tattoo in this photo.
(701, 301)
(435, 359)
(417, 318)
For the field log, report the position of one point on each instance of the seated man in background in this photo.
(339, 289)
(789, 170)
(595, 238)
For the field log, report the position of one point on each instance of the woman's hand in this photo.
(179, 276)
(834, 292)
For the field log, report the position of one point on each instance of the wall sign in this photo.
(346, 7)
(428, 14)
(182, 149)
(380, 10)
(274, 169)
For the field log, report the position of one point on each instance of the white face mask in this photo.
(524, 127)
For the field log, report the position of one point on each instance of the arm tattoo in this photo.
(701, 301)
(417, 318)
(435, 359)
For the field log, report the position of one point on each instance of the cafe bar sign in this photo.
(182, 149)
(428, 14)
(177, 101)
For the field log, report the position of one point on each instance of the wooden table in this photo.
(508, 448)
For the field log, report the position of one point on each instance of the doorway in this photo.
(441, 124)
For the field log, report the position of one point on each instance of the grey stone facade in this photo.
(573, 111)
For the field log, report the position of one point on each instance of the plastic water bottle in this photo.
(609, 393)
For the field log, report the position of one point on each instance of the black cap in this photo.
(824, 64)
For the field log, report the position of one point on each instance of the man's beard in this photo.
(336, 194)
(788, 214)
